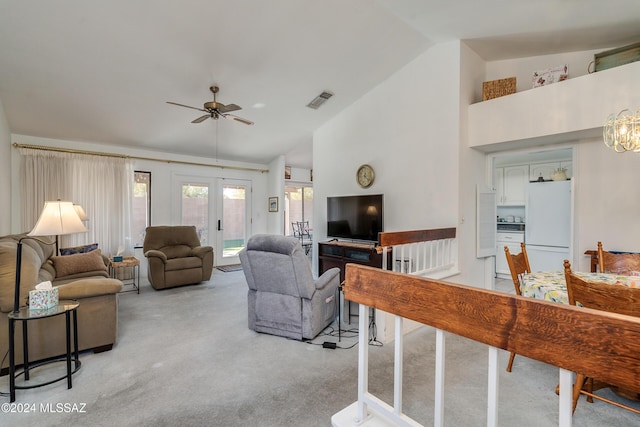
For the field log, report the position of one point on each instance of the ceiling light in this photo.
(622, 132)
(319, 100)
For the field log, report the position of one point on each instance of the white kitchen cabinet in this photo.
(512, 240)
(545, 170)
(510, 184)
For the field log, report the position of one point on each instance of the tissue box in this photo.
(42, 299)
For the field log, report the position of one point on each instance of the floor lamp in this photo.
(57, 218)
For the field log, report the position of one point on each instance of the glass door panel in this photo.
(234, 220)
(298, 208)
(195, 209)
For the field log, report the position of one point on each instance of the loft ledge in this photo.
(564, 111)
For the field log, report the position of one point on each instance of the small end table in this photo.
(24, 315)
(127, 262)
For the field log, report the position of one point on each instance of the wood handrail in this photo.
(598, 344)
(404, 237)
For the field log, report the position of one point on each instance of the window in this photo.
(141, 206)
(298, 206)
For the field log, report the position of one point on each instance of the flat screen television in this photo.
(355, 217)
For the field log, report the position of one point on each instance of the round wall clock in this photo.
(365, 176)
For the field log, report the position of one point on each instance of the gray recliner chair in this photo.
(284, 298)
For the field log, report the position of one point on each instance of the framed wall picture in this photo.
(273, 204)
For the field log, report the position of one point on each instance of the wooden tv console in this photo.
(335, 253)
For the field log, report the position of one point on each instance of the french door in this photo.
(234, 219)
(195, 204)
(220, 210)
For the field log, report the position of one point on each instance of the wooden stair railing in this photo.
(599, 344)
(403, 237)
(420, 252)
(429, 253)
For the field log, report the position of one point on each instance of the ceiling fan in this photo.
(215, 109)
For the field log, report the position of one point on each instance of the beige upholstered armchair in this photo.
(175, 256)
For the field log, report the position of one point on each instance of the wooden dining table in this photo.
(551, 285)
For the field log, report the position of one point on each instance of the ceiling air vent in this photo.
(319, 100)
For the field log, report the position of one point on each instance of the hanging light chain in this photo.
(216, 140)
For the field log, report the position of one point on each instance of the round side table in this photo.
(24, 315)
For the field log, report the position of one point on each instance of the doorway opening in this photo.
(298, 213)
(531, 208)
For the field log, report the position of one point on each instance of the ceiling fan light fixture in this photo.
(319, 100)
(215, 109)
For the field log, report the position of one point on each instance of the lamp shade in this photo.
(58, 218)
(81, 213)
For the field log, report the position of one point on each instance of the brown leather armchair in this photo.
(175, 256)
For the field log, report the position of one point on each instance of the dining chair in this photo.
(614, 298)
(304, 228)
(295, 227)
(617, 263)
(302, 232)
(518, 265)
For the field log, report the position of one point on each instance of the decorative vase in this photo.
(559, 174)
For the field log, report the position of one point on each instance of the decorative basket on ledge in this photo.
(497, 88)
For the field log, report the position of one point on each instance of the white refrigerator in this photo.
(548, 224)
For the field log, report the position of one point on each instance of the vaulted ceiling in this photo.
(103, 71)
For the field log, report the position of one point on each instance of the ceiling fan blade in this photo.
(186, 106)
(229, 108)
(201, 118)
(237, 119)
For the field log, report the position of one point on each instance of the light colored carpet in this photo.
(185, 357)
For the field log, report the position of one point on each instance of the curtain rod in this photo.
(97, 153)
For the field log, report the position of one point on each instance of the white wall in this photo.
(573, 108)
(161, 177)
(413, 129)
(607, 200)
(407, 129)
(300, 175)
(275, 220)
(473, 172)
(5, 174)
(523, 68)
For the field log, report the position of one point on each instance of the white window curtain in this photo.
(102, 185)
